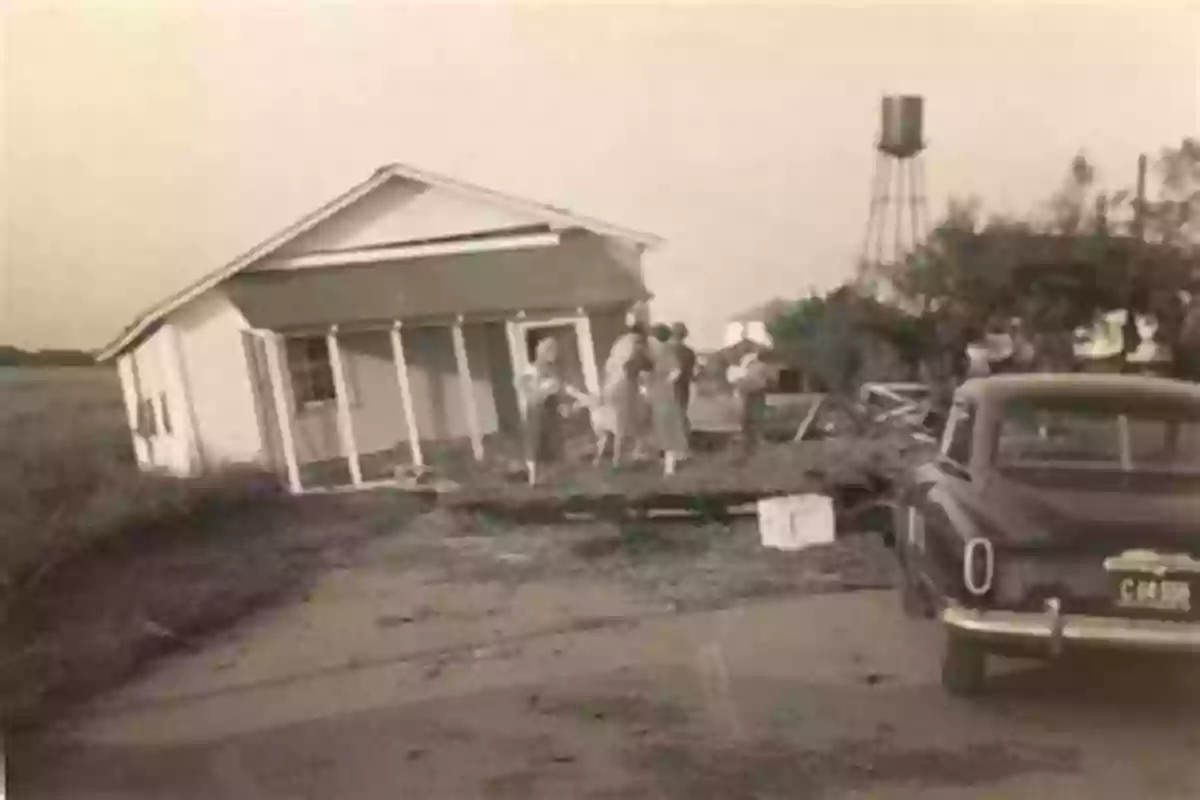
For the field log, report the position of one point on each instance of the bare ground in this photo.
(456, 658)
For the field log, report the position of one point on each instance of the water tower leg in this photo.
(878, 198)
(883, 201)
(915, 197)
(922, 199)
(898, 254)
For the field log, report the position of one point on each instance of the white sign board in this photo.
(796, 521)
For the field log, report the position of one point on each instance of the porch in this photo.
(348, 406)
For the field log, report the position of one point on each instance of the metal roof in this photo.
(434, 287)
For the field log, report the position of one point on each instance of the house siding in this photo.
(376, 409)
(607, 326)
(402, 211)
(154, 375)
(217, 374)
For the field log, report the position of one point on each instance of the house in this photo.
(390, 320)
(752, 323)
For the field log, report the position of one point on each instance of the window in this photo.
(1099, 434)
(147, 424)
(956, 442)
(311, 372)
(166, 413)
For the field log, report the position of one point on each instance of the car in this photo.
(1061, 513)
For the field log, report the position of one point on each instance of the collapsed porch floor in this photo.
(859, 473)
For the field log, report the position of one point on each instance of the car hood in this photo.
(1090, 511)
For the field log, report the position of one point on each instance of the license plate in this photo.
(1154, 594)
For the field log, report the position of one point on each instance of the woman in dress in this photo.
(544, 390)
(670, 432)
(620, 394)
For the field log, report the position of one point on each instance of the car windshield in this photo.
(1100, 435)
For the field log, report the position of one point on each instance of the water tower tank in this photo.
(901, 125)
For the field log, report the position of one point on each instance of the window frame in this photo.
(302, 367)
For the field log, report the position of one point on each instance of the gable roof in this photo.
(554, 216)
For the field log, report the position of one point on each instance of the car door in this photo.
(932, 546)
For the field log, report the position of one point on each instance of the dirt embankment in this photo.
(96, 619)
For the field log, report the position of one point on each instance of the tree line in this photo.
(1087, 251)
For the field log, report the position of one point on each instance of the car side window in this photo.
(956, 444)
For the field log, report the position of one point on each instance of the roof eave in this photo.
(141, 325)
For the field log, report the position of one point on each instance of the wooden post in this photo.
(276, 357)
(516, 355)
(587, 352)
(410, 417)
(468, 391)
(345, 421)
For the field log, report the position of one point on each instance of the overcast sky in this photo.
(146, 143)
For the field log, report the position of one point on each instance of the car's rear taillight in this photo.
(979, 567)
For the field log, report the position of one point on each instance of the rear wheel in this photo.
(964, 667)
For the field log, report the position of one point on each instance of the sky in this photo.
(146, 143)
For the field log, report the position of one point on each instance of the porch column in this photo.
(345, 421)
(129, 388)
(410, 417)
(276, 350)
(468, 391)
(517, 356)
(587, 348)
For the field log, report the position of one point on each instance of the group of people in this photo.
(644, 396)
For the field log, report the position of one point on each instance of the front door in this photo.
(572, 354)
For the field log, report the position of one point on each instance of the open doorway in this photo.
(568, 349)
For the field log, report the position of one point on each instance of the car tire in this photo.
(964, 667)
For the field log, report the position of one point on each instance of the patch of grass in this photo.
(103, 566)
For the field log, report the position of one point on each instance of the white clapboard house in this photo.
(394, 317)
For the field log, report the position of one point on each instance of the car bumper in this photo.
(1057, 631)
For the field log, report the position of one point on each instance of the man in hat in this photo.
(685, 362)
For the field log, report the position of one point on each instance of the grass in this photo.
(103, 566)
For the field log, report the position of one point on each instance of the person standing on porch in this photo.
(543, 391)
(667, 419)
(685, 360)
(627, 360)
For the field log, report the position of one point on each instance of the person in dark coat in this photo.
(685, 362)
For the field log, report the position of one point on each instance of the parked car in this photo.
(1062, 512)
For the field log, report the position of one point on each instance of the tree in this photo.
(846, 336)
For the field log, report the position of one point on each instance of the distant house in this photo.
(752, 323)
(394, 316)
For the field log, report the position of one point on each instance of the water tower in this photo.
(899, 184)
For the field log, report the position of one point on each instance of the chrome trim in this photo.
(1135, 634)
(1055, 618)
(968, 560)
(1152, 562)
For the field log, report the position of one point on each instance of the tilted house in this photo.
(395, 316)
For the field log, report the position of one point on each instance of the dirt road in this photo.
(404, 675)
